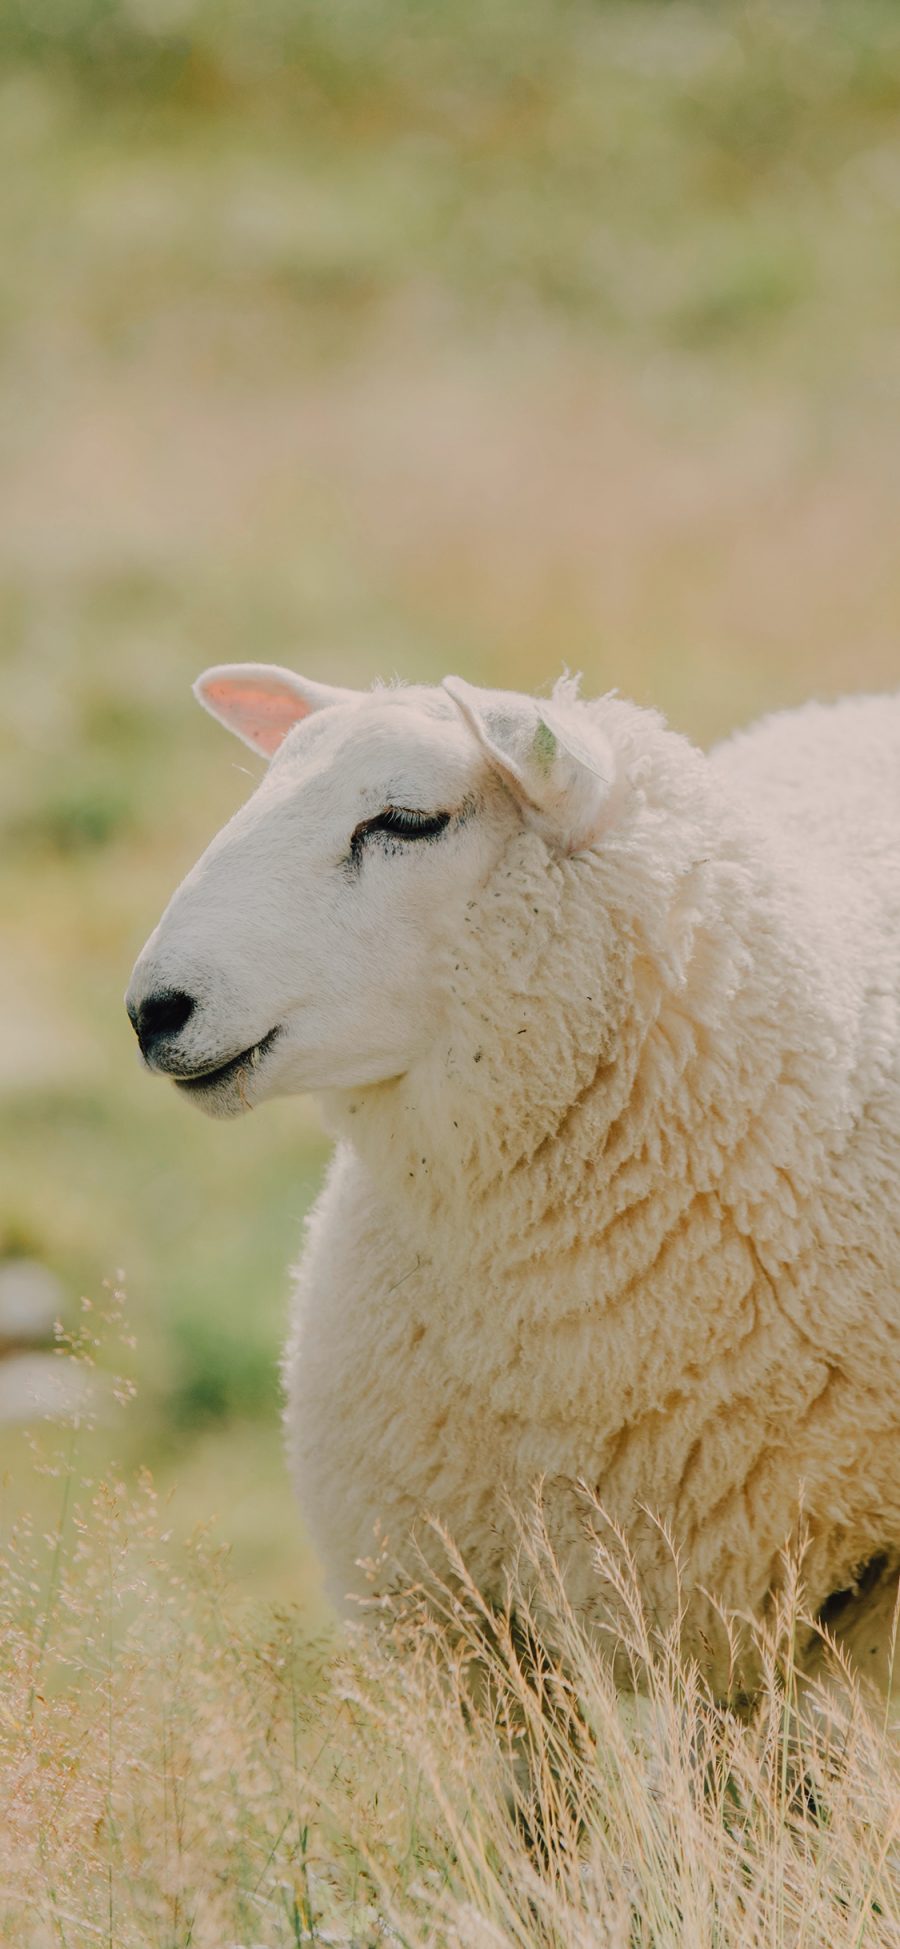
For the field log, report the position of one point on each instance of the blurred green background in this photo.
(380, 336)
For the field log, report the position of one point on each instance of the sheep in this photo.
(606, 1031)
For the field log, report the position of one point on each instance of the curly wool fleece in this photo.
(635, 1220)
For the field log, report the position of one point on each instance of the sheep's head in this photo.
(308, 947)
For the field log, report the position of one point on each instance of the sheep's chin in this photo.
(231, 1089)
(219, 1100)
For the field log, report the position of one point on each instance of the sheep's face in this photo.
(309, 947)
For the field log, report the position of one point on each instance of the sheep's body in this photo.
(635, 1219)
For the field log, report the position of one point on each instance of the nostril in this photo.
(162, 1014)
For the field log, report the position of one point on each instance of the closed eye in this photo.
(400, 822)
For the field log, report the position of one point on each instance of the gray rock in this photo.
(36, 1385)
(31, 1299)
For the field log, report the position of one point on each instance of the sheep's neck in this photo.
(585, 992)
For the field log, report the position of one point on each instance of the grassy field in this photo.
(179, 1775)
(381, 338)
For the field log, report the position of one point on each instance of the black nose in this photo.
(160, 1015)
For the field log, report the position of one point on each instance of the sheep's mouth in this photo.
(247, 1060)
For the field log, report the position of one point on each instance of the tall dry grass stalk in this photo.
(178, 1771)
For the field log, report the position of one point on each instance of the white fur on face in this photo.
(316, 946)
(328, 950)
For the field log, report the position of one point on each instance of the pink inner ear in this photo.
(264, 717)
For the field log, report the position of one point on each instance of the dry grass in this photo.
(177, 1771)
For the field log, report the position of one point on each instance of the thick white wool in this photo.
(635, 1218)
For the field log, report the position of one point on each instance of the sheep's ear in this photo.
(261, 703)
(561, 773)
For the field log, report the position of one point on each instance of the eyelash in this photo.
(400, 822)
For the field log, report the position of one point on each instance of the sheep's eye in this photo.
(401, 822)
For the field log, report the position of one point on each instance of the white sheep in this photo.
(607, 1031)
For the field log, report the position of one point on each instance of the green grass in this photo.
(382, 337)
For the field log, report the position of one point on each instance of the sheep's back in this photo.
(824, 781)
